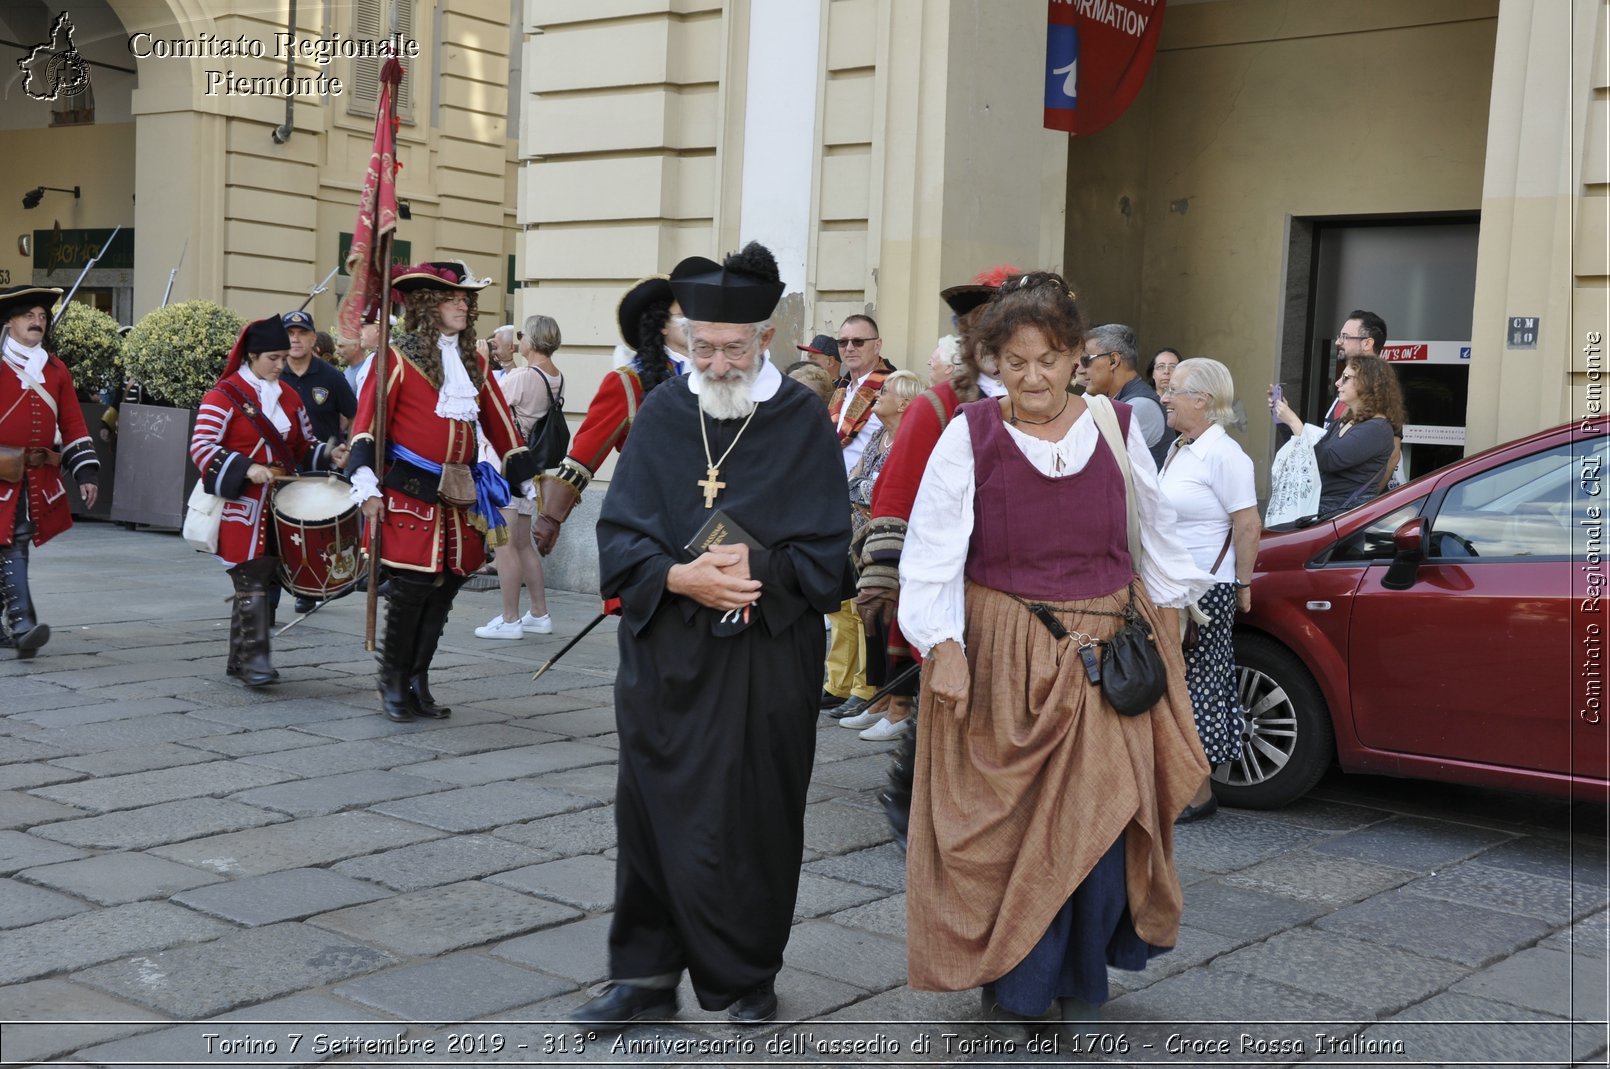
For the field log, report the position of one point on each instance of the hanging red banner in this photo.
(1097, 53)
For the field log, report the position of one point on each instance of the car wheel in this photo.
(1289, 741)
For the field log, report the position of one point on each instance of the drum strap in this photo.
(276, 443)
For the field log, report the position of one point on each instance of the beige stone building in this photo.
(1442, 162)
(186, 137)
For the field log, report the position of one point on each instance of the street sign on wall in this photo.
(1097, 53)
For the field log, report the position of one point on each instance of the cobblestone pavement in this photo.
(175, 848)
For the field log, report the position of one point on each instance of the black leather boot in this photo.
(256, 620)
(896, 797)
(21, 626)
(404, 615)
(622, 1004)
(237, 634)
(432, 623)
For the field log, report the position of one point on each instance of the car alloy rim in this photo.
(1271, 731)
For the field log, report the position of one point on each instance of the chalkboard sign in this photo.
(154, 473)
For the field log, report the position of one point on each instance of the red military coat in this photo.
(430, 536)
(226, 442)
(608, 420)
(28, 421)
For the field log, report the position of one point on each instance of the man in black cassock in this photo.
(720, 655)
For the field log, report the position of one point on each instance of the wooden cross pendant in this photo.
(711, 486)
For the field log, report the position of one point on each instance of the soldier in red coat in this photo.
(250, 428)
(41, 432)
(650, 323)
(440, 505)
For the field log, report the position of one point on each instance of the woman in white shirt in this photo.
(1209, 481)
(1040, 849)
(528, 390)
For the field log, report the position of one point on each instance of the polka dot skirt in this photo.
(1210, 677)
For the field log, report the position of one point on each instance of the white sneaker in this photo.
(498, 627)
(883, 730)
(536, 625)
(860, 720)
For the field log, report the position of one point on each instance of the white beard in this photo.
(727, 398)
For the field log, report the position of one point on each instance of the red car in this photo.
(1451, 629)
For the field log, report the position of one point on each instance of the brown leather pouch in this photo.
(11, 463)
(457, 485)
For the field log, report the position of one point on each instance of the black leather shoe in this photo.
(849, 707)
(304, 605)
(1198, 812)
(829, 699)
(757, 1007)
(624, 1003)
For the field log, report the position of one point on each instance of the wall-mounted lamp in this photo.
(32, 198)
(405, 210)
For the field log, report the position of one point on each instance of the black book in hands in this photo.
(722, 530)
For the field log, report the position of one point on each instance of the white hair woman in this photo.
(1208, 479)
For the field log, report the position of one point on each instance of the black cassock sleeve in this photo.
(785, 485)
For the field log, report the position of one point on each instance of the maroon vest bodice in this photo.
(1056, 539)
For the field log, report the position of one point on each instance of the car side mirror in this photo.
(1409, 541)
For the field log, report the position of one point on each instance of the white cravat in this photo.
(268, 398)
(458, 398)
(29, 360)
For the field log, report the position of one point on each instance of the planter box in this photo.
(154, 473)
(107, 452)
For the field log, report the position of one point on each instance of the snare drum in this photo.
(319, 535)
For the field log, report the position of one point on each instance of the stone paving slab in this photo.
(578, 951)
(116, 879)
(332, 760)
(838, 826)
(287, 713)
(1549, 981)
(243, 967)
(19, 850)
(483, 808)
(58, 1000)
(476, 738)
(331, 794)
(1384, 980)
(311, 841)
(1241, 913)
(22, 777)
(1489, 1032)
(1335, 881)
(1582, 864)
(458, 987)
(441, 861)
(473, 770)
(1412, 843)
(587, 831)
(267, 740)
(586, 882)
(1233, 840)
(126, 734)
(821, 895)
(279, 896)
(73, 715)
(864, 773)
(1216, 994)
(19, 810)
(849, 955)
(880, 866)
(442, 919)
(884, 916)
(13, 749)
(376, 726)
(594, 781)
(100, 935)
(1321, 815)
(1469, 935)
(1528, 894)
(155, 825)
(110, 793)
(121, 762)
(1589, 937)
(565, 714)
(1194, 947)
(22, 904)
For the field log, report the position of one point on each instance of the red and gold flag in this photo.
(377, 213)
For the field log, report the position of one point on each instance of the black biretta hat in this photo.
(744, 290)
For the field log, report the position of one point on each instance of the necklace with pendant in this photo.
(712, 472)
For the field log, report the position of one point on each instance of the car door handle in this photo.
(1317, 606)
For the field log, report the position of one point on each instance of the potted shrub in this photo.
(176, 353)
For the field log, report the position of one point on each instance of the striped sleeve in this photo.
(223, 472)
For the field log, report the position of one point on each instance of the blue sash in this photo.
(491, 492)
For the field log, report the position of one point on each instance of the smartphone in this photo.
(1276, 397)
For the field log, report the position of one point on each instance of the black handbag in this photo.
(1133, 678)
(549, 440)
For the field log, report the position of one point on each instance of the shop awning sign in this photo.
(1097, 54)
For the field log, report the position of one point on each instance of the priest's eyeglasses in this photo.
(733, 349)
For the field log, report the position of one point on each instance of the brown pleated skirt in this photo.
(1023, 786)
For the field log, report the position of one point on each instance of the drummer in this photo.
(250, 429)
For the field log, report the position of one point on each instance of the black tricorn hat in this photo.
(650, 291)
(963, 299)
(711, 293)
(822, 343)
(20, 298)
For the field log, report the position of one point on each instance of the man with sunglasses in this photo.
(1111, 368)
(861, 355)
